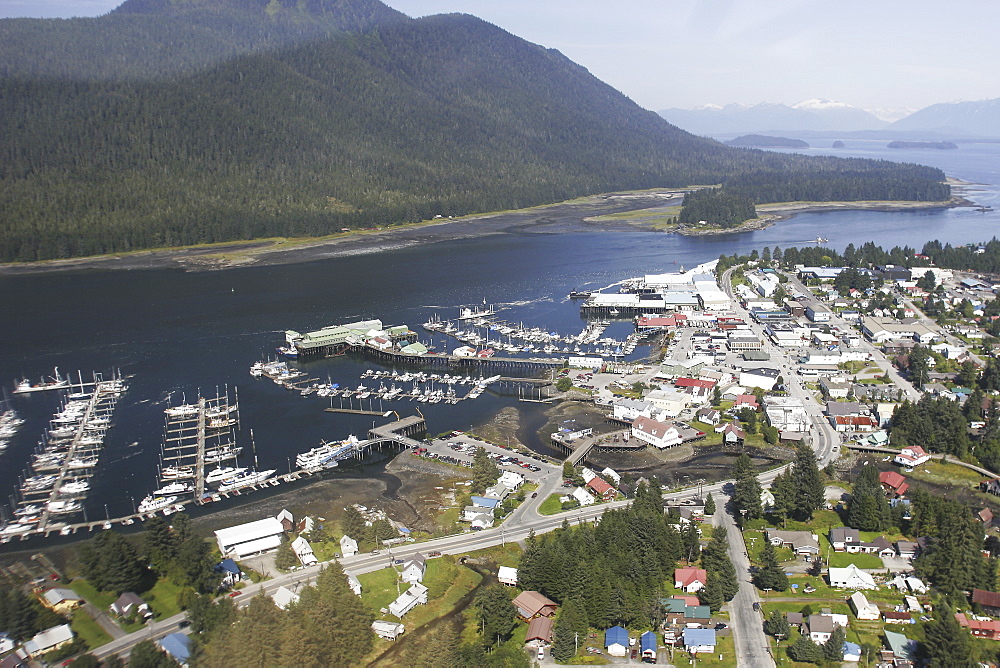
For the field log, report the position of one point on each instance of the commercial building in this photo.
(251, 538)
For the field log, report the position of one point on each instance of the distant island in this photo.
(838, 144)
(763, 141)
(942, 145)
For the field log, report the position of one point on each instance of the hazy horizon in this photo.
(881, 57)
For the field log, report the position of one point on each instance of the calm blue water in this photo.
(182, 333)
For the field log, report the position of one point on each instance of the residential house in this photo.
(230, 571)
(616, 641)
(852, 652)
(354, 583)
(305, 525)
(178, 646)
(698, 641)
(690, 579)
(414, 569)
(894, 484)
(745, 401)
(981, 628)
(731, 434)
(803, 543)
(989, 601)
(61, 601)
(539, 632)
(985, 516)
(511, 479)
(851, 577)
(841, 536)
(484, 502)
(708, 416)
(907, 549)
(283, 597)
(129, 604)
(668, 402)
(584, 497)
(286, 519)
(912, 455)
(862, 608)
(991, 486)
(602, 488)
(661, 435)
(388, 630)
(896, 617)
(409, 599)
(611, 475)
(901, 647)
(49, 640)
(507, 576)
(531, 604)
(820, 628)
(303, 550)
(836, 389)
(348, 546)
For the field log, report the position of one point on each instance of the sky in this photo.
(880, 55)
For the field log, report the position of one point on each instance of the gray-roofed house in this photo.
(802, 543)
(129, 604)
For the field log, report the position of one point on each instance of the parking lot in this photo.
(460, 448)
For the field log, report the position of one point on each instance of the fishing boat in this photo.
(152, 503)
(289, 351)
(57, 382)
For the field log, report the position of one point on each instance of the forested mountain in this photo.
(392, 121)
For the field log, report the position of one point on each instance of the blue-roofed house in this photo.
(616, 641)
(485, 502)
(852, 652)
(647, 642)
(178, 646)
(230, 571)
(699, 640)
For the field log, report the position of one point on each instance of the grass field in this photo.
(86, 590)
(88, 629)
(162, 598)
(551, 505)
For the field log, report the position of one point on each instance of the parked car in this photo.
(534, 495)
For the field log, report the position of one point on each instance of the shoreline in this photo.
(578, 212)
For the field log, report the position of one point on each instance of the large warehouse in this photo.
(250, 538)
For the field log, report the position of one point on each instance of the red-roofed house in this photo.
(989, 600)
(980, 628)
(602, 488)
(985, 516)
(746, 401)
(912, 455)
(690, 579)
(893, 483)
(688, 600)
(658, 434)
(531, 604)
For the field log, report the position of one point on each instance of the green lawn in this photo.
(88, 629)
(101, 600)
(551, 505)
(162, 598)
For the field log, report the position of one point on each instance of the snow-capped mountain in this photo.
(816, 115)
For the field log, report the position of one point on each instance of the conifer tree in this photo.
(485, 472)
(946, 644)
(809, 493)
(709, 505)
(868, 509)
(777, 625)
(497, 615)
(747, 490)
(770, 576)
(833, 648)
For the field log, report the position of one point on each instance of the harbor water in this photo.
(178, 334)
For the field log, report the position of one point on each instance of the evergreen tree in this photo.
(747, 490)
(285, 558)
(485, 472)
(112, 564)
(809, 487)
(497, 615)
(711, 593)
(160, 544)
(869, 510)
(777, 625)
(147, 655)
(564, 643)
(946, 644)
(833, 648)
(805, 650)
(709, 505)
(353, 523)
(770, 575)
(439, 649)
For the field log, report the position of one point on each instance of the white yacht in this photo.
(245, 479)
(153, 503)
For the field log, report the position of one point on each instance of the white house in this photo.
(863, 609)
(912, 455)
(354, 583)
(851, 577)
(409, 599)
(507, 576)
(626, 410)
(661, 435)
(583, 496)
(587, 475)
(610, 474)
(48, 640)
(303, 550)
(284, 597)
(348, 546)
(511, 479)
(414, 569)
(387, 630)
